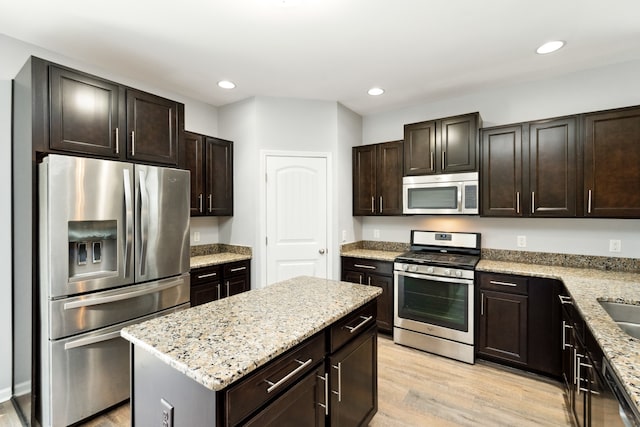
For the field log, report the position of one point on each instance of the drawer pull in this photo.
(565, 299)
(233, 270)
(204, 276)
(370, 267)
(352, 329)
(495, 282)
(325, 405)
(339, 392)
(286, 378)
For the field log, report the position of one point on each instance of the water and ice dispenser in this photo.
(93, 249)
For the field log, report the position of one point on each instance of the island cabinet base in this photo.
(330, 379)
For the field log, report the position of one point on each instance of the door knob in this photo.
(321, 251)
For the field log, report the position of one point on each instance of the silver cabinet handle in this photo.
(210, 203)
(481, 303)
(369, 281)
(204, 276)
(120, 297)
(228, 288)
(238, 269)
(380, 204)
(352, 329)
(589, 203)
(533, 202)
(325, 378)
(370, 267)
(565, 299)
(201, 198)
(431, 160)
(360, 276)
(339, 392)
(218, 289)
(284, 379)
(128, 207)
(495, 282)
(117, 142)
(373, 201)
(564, 335)
(443, 162)
(517, 202)
(91, 340)
(321, 251)
(133, 143)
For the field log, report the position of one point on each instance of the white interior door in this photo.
(296, 217)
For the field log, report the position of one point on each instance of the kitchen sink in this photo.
(627, 316)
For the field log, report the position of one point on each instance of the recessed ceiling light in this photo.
(375, 91)
(226, 84)
(549, 47)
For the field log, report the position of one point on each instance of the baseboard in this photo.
(5, 394)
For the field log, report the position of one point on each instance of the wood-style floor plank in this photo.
(420, 389)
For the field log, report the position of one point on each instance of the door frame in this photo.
(262, 212)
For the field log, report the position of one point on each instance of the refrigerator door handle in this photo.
(119, 297)
(128, 206)
(91, 340)
(144, 222)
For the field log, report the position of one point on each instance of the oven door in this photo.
(432, 305)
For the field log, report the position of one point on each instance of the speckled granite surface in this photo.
(380, 251)
(586, 286)
(219, 253)
(222, 341)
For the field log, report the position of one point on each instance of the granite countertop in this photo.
(200, 261)
(587, 286)
(376, 250)
(220, 342)
(379, 255)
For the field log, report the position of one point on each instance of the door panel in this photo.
(296, 220)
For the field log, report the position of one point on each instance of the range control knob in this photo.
(405, 267)
(447, 272)
(458, 273)
(413, 268)
(430, 270)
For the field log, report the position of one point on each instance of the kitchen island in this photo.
(290, 348)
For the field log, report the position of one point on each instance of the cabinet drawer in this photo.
(266, 383)
(504, 283)
(351, 325)
(367, 265)
(206, 274)
(236, 268)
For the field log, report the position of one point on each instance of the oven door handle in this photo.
(468, 282)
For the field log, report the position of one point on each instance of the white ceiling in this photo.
(417, 50)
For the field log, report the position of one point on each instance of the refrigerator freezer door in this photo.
(161, 222)
(86, 225)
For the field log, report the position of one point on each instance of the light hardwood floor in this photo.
(420, 389)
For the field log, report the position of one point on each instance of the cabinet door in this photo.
(194, 151)
(503, 326)
(152, 128)
(236, 285)
(611, 159)
(389, 178)
(204, 293)
(353, 276)
(87, 114)
(219, 177)
(552, 168)
(298, 406)
(458, 148)
(502, 172)
(364, 180)
(544, 327)
(420, 148)
(354, 381)
(385, 301)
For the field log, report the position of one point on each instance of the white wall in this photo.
(5, 243)
(590, 90)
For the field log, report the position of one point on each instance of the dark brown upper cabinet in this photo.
(152, 128)
(377, 179)
(612, 164)
(86, 114)
(530, 169)
(78, 113)
(210, 161)
(442, 146)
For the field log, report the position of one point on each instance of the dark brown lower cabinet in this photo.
(300, 406)
(354, 381)
(503, 326)
(219, 281)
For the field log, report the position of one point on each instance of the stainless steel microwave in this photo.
(447, 194)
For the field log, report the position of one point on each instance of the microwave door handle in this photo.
(128, 207)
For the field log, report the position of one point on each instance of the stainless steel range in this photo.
(433, 298)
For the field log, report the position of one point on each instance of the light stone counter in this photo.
(200, 261)
(372, 254)
(218, 343)
(586, 287)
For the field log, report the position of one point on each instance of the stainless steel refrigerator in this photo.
(114, 250)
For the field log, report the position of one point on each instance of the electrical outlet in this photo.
(522, 241)
(376, 234)
(196, 236)
(615, 245)
(344, 235)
